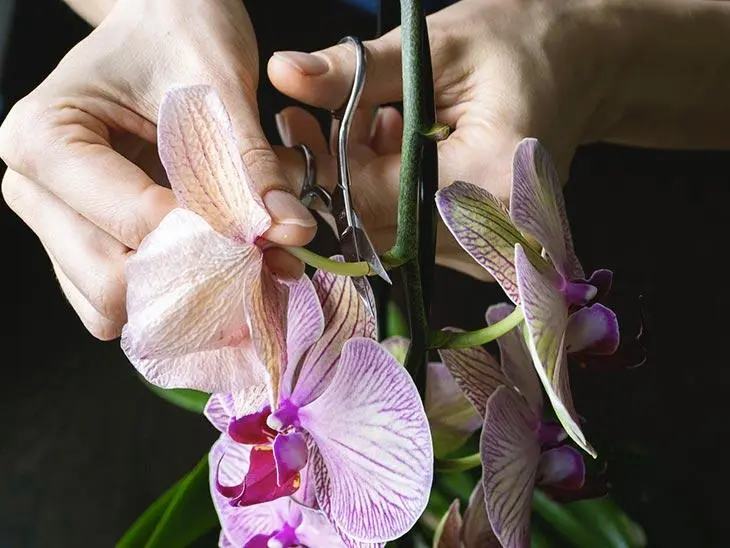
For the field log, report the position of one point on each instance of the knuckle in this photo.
(17, 146)
(107, 295)
(258, 158)
(102, 328)
(13, 191)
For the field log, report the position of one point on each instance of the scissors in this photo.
(355, 244)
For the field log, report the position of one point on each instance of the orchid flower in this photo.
(348, 434)
(204, 312)
(546, 279)
(470, 531)
(451, 416)
(518, 448)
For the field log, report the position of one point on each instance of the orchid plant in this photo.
(329, 436)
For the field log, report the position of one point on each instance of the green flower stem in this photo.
(459, 465)
(361, 268)
(560, 517)
(469, 339)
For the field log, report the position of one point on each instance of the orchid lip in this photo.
(285, 417)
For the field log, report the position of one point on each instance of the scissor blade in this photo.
(356, 246)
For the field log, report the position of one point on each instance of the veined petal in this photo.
(537, 207)
(198, 148)
(594, 330)
(372, 432)
(305, 325)
(515, 358)
(546, 319)
(306, 495)
(239, 524)
(266, 301)
(316, 530)
(448, 533)
(452, 417)
(219, 410)
(482, 226)
(344, 317)
(397, 346)
(290, 455)
(184, 297)
(510, 455)
(561, 467)
(475, 371)
(476, 531)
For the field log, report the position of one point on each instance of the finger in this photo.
(91, 259)
(387, 133)
(68, 152)
(324, 78)
(296, 126)
(282, 264)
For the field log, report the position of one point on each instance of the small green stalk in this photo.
(361, 268)
(459, 465)
(469, 339)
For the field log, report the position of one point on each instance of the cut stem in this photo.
(361, 268)
(469, 339)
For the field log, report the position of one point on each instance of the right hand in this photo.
(81, 148)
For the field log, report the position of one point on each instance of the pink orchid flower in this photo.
(348, 434)
(546, 279)
(204, 312)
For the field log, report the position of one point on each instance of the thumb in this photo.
(323, 79)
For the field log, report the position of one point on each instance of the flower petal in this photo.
(510, 455)
(537, 207)
(475, 371)
(316, 530)
(260, 483)
(515, 358)
(198, 148)
(452, 417)
(371, 430)
(240, 524)
(252, 429)
(305, 324)
(345, 317)
(562, 467)
(449, 529)
(546, 319)
(476, 531)
(593, 330)
(481, 225)
(219, 411)
(266, 301)
(290, 455)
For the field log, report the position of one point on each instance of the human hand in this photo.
(83, 168)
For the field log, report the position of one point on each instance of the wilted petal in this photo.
(537, 206)
(476, 532)
(266, 301)
(482, 226)
(546, 319)
(305, 324)
(510, 455)
(475, 371)
(198, 148)
(290, 455)
(260, 483)
(398, 347)
(371, 430)
(344, 317)
(449, 530)
(515, 358)
(451, 416)
(219, 410)
(594, 330)
(561, 467)
(185, 326)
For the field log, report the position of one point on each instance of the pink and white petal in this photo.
(562, 467)
(397, 346)
(594, 330)
(482, 226)
(220, 411)
(305, 325)
(537, 207)
(266, 301)
(475, 371)
(345, 317)
(452, 417)
(199, 151)
(476, 531)
(290, 455)
(510, 455)
(372, 432)
(546, 319)
(254, 396)
(515, 358)
(224, 542)
(448, 532)
(316, 530)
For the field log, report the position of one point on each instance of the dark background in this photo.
(85, 447)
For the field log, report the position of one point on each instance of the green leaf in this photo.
(604, 515)
(565, 523)
(180, 516)
(397, 324)
(190, 400)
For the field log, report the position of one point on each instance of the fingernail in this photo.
(285, 209)
(283, 128)
(306, 63)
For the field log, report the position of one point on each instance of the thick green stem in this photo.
(361, 268)
(469, 339)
